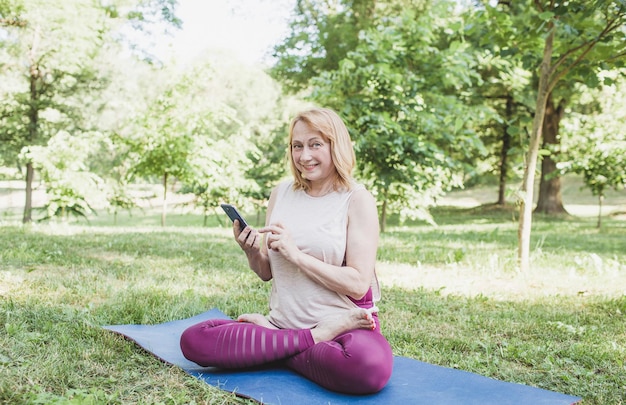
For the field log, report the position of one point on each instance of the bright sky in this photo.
(248, 28)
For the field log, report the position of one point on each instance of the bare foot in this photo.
(256, 319)
(357, 318)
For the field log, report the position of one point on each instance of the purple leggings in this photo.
(356, 362)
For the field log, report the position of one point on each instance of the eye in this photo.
(317, 145)
(296, 147)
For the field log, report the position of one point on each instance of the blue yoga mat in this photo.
(412, 381)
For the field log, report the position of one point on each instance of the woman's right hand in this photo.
(249, 239)
(250, 242)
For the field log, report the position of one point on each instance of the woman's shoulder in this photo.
(280, 192)
(357, 188)
(283, 187)
(286, 183)
(283, 184)
(360, 187)
(359, 194)
(363, 208)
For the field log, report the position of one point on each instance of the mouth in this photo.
(308, 167)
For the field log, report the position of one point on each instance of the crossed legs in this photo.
(356, 362)
(342, 354)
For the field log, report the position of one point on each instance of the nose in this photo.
(305, 154)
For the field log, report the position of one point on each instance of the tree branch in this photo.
(12, 22)
(619, 55)
(586, 46)
(610, 26)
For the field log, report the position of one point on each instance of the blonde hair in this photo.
(331, 126)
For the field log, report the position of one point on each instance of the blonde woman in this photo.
(318, 248)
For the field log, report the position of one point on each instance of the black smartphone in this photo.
(233, 214)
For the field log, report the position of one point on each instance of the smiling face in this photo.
(320, 151)
(311, 154)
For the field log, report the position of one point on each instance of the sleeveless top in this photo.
(318, 226)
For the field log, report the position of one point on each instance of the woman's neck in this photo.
(320, 190)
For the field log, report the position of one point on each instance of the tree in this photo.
(549, 200)
(399, 93)
(199, 132)
(322, 33)
(164, 141)
(71, 188)
(399, 83)
(504, 90)
(54, 76)
(601, 157)
(561, 44)
(603, 167)
(576, 33)
(259, 129)
(50, 71)
(608, 53)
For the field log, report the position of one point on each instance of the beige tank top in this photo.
(318, 226)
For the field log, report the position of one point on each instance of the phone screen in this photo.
(233, 214)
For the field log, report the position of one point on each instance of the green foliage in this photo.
(423, 86)
(154, 12)
(398, 95)
(266, 164)
(210, 129)
(51, 79)
(599, 153)
(138, 22)
(252, 156)
(505, 92)
(165, 143)
(562, 41)
(119, 198)
(10, 11)
(48, 72)
(68, 183)
(322, 33)
(151, 123)
(603, 166)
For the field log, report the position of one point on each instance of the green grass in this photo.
(452, 296)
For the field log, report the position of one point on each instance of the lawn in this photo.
(451, 296)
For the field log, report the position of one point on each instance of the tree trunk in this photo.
(164, 210)
(504, 153)
(550, 200)
(28, 204)
(33, 123)
(527, 188)
(383, 214)
(600, 200)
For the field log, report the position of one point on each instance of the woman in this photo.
(319, 249)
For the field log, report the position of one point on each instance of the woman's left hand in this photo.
(279, 240)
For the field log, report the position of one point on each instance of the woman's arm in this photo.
(353, 279)
(252, 243)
